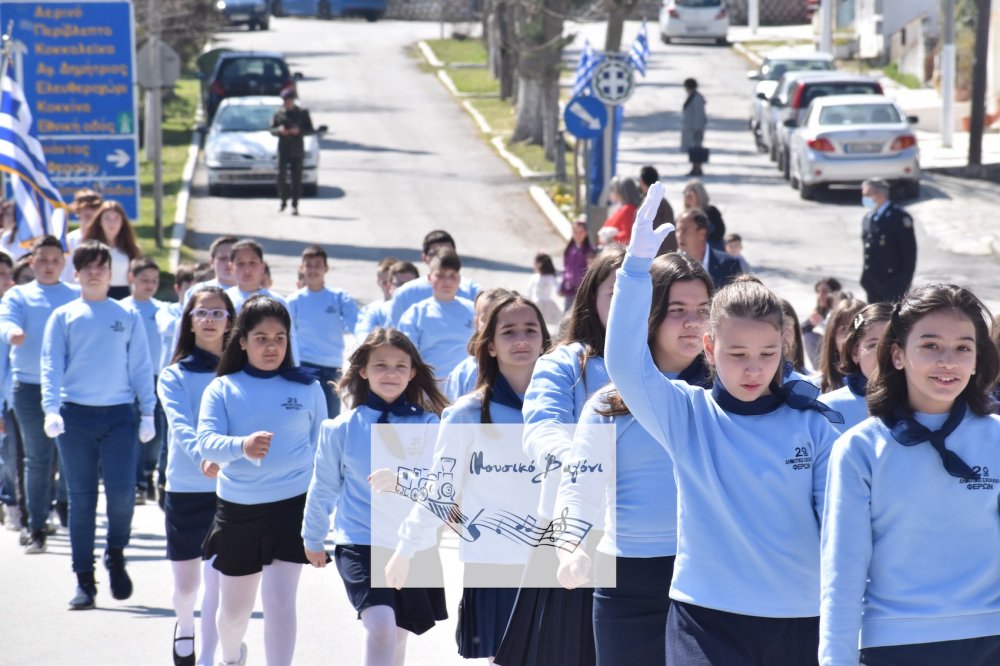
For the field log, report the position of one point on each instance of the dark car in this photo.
(251, 13)
(242, 73)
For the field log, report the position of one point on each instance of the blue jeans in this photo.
(149, 453)
(325, 376)
(39, 452)
(12, 482)
(98, 440)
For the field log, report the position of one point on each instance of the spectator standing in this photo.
(890, 254)
(693, 122)
(290, 124)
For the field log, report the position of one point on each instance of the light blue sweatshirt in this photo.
(167, 320)
(322, 319)
(440, 331)
(555, 400)
(95, 353)
(371, 316)
(148, 310)
(28, 307)
(214, 282)
(239, 297)
(644, 523)
(462, 379)
(851, 405)
(750, 487)
(339, 483)
(909, 551)
(237, 405)
(180, 394)
(414, 291)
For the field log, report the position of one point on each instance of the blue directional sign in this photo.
(585, 117)
(76, 64)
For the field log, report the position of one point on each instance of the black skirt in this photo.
(484, 612)
(552, 626)
(416, 609)
(188, 519)
(246, 537)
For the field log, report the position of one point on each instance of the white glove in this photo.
(147, 429)
(646, 240)
(54, 425)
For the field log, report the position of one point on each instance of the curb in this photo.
(428, 53)
(184, 195)
(522, 169)
(747, 53)
(551, 211)
(484, 126)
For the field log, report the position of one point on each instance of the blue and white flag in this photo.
(40, 208)
(585, 69)
(639, 53)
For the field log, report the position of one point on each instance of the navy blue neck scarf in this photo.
(503, 393)
(858, 384)
(696, 374)
(199, 360)
(398, 407)
(909, 432)
(294, 374)
(796, 394)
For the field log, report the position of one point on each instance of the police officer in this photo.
(890, 245)
(290, 123)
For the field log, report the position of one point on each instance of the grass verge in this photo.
(465, 51)
(475, 81)
(908, 80)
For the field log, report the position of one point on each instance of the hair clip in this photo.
(859, 321)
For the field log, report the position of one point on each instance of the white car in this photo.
(774, 66)
(694, 19)
(845, 139)
(240, 150)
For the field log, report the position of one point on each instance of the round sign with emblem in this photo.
(614, 81)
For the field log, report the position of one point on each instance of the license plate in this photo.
(239, 17)
(697, 28)
(862, 147)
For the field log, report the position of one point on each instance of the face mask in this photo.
(868, 202)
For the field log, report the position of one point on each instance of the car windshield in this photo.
(698, 3)
(814, 90)
(859, 114)
(773, 69)
(265, 70)
(240, 118)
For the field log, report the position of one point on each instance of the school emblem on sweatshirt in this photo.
(802, 458)
(331, 309)
(118, 327)
(984, 482)
(292, 403)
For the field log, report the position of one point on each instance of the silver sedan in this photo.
(844, 139)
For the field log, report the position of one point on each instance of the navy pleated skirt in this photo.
(246, 537)
(484, 611)
(984, 651)
(188, 518)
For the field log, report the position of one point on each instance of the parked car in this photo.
(774, 66)
(844, 139)
(240, 150)
(694, 19)
(242, 73)
(251, 13)
(372, 10)
(806, 88)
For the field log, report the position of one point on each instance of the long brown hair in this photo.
(876, 313)
(125, 241)
(797, 353)
(583, 324)
(421, 390)
(746, 297)
(489, 365)
(843, 314)
(185, 336)
(486, 297)
(888, 391)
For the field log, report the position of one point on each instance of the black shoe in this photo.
(62, 510)
(121, 584)
(295, 210)
(86, 590)
(179, 660)
(37, 544)
(284, 205)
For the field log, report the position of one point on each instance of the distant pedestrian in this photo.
(8, 231)
(693, 122)
(696, 196)
(647, 176)
(734, 248)
(890, 245)
(542, 288)
(692, 239)
(290, 124)
(827, 295)
(111, 226)
(625, 193)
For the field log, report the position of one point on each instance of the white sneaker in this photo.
(13, 518)
(243, 658)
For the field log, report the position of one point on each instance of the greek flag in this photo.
(40, 208)
(639, 53)
(585, 69)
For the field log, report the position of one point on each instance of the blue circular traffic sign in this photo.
(585, 117)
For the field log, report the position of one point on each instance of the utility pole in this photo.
(826, 26)
(978, 114)
(948, 75)
(154, 117)
(753, 15)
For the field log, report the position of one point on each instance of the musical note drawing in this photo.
(564, 532)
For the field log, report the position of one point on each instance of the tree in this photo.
(187, 25)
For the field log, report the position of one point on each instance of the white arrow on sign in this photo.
(579, 111)
(119, 158)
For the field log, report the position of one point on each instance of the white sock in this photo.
(236, 599)
(379, 623)
(278, 593)
(187, 577)
(209, 610)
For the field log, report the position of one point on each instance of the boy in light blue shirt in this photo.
(416, 291)
(322, 316)
(95, 365)
(250, 271)
(440, 326)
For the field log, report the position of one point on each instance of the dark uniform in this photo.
(291, 151)
(890, 254)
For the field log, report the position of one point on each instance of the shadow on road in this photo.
(336, 144)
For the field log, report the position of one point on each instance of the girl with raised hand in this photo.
(640, 540)
(554, 625)
(190, 491)
(509, 343)
(259, 421)
(749, 462)
(857, 364)
(387, 383)
(911, 524)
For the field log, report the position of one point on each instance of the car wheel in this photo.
(277, 8)
(664, 38)
(311, 189)
(215, 190)
(323, 10)
(786, 170)
(808, 192)
(372, 16)
(264, 25)
(722, 41)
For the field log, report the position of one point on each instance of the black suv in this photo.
(251, 13)
(242, 73)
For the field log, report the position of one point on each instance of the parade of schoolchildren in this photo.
(635, 451)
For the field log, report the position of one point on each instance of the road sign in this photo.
(77, 75)
(157, 65)
(614, 81)
(585, 117)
